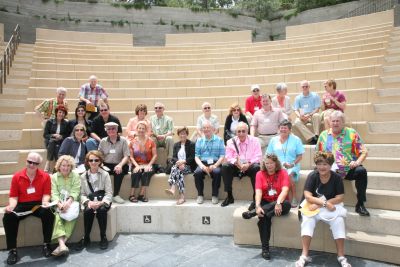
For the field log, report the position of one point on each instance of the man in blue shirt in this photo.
(209, 155)
(306, 107)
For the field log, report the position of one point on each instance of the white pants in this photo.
(336, 225)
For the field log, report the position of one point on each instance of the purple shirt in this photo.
(93, 95)
(329, 104)
(249, 150)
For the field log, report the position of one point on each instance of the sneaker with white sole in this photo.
(302, 261)
(343, 261)
(294, 203)
(118, 199)
(200, 200)
(214, 200)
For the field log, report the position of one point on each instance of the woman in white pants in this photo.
(323, 193)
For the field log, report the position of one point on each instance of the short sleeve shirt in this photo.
(48, 108)
(114, 153)
(329, 104)
(345, 147)
(332, 188)
(142, 153)
(93, 95)
(161, 125)
(20, 183)
(252, 105)
(307, 103)
(98, 125)
(277, 181)
(212, 148)
(202, 119)
(267, 122)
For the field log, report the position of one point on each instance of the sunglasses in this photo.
(158, 107)
(305, 86)
(81, 110)
(241, 131)
(207, 108)
(103, 110)
(256, 90)
(236, 109)
(79, 130)
(32, 162)
(94, 160)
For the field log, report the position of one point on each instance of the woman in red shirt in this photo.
(272, 187)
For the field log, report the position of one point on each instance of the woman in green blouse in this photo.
(65, 189)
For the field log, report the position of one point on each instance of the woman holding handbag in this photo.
(324, 194)
(65, 189)
(96, 197)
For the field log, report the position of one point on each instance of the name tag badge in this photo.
(305, 106)
(158, 127)
(112, 151)
(271, 192)
(30, 190)
(267, 120)
(210, 161)
(256, 108)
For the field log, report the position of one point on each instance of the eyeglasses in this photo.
(101, 110)
(32, 162)
(79, 130)
(111, 129)
(158, 107)
(241, 131)
(236, 109)
(207, 108)
(256, 90)
(81, 110)
(94, 160)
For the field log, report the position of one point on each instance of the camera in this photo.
(241, 174)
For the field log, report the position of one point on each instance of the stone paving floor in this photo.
(166, 250)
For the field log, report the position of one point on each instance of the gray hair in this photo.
(207, 123)
(304, 82)
(61, 90)
(281, 86)
(337, 114)
(243, 125)
(205, 104)
(35, 155)
(92, 77)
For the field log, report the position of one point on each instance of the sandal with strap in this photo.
(343, 261)
(180, 201)
(133, 199)
(302, 261)
(142, 198)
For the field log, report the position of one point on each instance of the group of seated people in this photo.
(264, 127)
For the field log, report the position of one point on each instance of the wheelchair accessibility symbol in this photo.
(206, 220)
(146, 218)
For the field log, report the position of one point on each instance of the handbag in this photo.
(72, 213)
(99, 194)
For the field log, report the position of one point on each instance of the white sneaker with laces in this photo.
(302, 261)
(200, 200)
(118, 199)
(343, 261)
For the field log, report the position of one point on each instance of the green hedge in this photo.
(302, 5)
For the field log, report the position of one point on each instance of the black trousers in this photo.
(117, 177)
(11, 222)
(264, 223)
(229, 171)
(141, 177)
(88, 218)
(359, 174)
(199, 176)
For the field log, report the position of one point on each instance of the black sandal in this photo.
(133, 199)
(142, 198)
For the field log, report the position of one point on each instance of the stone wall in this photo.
(148, 27)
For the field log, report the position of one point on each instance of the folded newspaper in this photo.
(24, 213)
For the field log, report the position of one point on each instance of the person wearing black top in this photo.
(235, 116)
(98, 129)
(183, 163)
(324, 194)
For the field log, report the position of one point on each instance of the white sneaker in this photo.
(294, 203)
(343, 261)
(200, 200)
(302, 261)
(118, 199)
(214, 200)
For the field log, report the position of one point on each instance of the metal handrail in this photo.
(8, 57)
(371, 7)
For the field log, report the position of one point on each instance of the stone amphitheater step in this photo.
(383, 247)
(10, 105)
(384, 127)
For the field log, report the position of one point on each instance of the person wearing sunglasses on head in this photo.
(30, 191)
(98, 129)
(243, 155)
(90, 94)
(232, 120)
(253, 102)
(96, 198)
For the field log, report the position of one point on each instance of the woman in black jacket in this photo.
(55, 132)
(235, 116)
(183, 163)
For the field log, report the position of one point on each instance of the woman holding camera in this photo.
(96, 197)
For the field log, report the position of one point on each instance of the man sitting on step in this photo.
(349, 152)
(243, 155)
(47, 109)
(29, 195)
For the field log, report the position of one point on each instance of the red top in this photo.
(276, 181)
(329, 104)
(20, 184)
(142, 153)
(251, 103)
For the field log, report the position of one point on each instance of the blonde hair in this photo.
(70, 160)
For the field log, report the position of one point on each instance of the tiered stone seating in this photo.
(185, 76)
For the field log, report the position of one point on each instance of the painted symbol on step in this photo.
(146, 218)
(206, 220)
